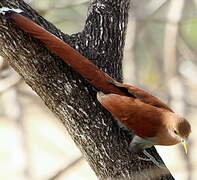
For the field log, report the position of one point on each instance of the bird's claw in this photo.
(152, 159)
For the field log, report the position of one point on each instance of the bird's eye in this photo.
(175, 132)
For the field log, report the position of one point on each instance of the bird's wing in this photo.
(142, 95)
(143, 119)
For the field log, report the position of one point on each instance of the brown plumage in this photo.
(152, 121)
(134, 114)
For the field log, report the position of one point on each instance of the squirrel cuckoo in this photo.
(152, 121)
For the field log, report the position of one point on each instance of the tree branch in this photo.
(103, 143)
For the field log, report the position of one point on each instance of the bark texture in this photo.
(70, 97)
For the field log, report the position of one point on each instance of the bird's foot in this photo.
(151, 158)
(138, 145)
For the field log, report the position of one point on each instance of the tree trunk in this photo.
(103, 143)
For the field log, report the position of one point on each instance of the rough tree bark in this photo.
(70, 97)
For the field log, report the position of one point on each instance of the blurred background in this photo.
(160, 56)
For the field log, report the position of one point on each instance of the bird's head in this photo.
(180, 130)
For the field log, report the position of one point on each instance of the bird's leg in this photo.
(151, 158)
(139, 144)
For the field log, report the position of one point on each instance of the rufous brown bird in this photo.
(151, 120)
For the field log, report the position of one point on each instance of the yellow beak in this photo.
(185, 145)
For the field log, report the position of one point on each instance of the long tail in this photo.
(79, 63)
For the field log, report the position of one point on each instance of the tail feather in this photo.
(79, 63)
